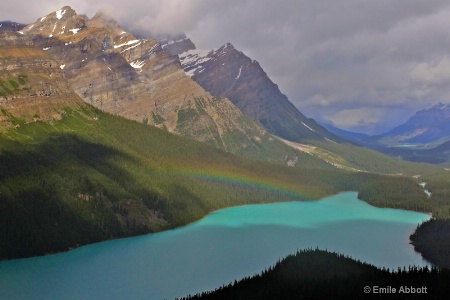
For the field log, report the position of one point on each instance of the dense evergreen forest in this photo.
(318, 274)
(432, 240)
(92, 176)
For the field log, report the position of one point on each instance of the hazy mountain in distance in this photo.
(425, 137)
(430, 125)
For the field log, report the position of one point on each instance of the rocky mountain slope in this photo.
(227, 72)
(32, 87)
(176, 44)
(141, 80)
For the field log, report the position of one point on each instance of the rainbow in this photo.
(240, 181)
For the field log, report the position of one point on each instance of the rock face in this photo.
(426, 126)
(136, 78)
(176, 44)
(141, 80)
(227, 72)
(32, 87)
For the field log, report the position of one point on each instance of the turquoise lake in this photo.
(226, 245)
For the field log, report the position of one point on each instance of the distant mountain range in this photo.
(430, 125)
(424, 137)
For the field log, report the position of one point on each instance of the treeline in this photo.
(318, 274)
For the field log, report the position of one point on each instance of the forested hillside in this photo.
(318, 274)
(92, 176)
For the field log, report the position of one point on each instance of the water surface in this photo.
(226, 245)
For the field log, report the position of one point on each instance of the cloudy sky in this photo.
(364, 65)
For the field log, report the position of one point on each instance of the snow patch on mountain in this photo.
(192, 60)
(75, 30)
(240, 71)
(308, 127)
(127, 43)
(59, 14)
(138, 64)
(129, 48)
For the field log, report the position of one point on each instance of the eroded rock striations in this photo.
(32, 86)
(136, 78)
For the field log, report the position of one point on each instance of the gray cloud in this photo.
(331, 58)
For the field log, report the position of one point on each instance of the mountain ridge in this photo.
(227, 72)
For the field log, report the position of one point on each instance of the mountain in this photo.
(141, 80)
(227, 72)
(430, 125)
(425, 137)
(11, 26)
(32, 87)
(136, 78)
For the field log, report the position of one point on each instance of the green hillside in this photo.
(92, 176)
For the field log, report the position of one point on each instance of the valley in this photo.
(106, 134)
